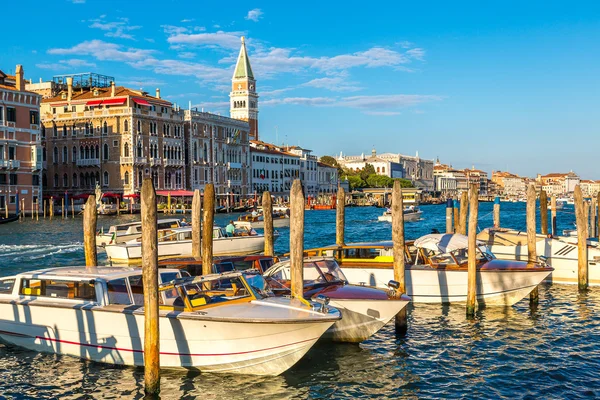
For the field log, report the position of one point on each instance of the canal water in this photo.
(552, 351)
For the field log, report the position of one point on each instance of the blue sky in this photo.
(512, 85)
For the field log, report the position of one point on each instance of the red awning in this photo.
(114, 102)
(93, 102)
(133, 196)
(141, 102)
(175, 193)
(83, 196)
(117, 195)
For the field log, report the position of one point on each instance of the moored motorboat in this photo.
(411, 213)
(257, 220)
(364, 310)
(436, 270)
(560, 253)
(177, 242)
(216, 323)
(133, 230)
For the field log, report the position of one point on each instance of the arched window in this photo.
(74, 180)
(105, 181)
(82, 181)
(87, 179)
(105, 127)
(126, 178)
(91, 128)
(97, 153)
(55, 159)
(205, 153)
(65, 180)
(378, 170)
(140, 178)
(126, 125)
(64, 129)
(97, 178)
(65, 155)
(73, 130)
(383, 170)
(44, 180)
(87, 153)
(165, 152)
(139, 126)
(74, 159)
(105, 152)
(44, 154)
(43, 132)
(195, 151)
(126, 150)
(55, 180)
(139, 149)
(87, 128)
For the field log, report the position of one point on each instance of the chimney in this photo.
(20, 83)
(112, 89)
(69, 88)
(157, 93)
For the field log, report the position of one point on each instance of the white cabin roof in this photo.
(443, 242)
(83, 274)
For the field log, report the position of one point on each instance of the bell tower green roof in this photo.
(243, 68)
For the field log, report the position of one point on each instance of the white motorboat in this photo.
(560, 253)
(177, 242)
(364, 310)
(411, 213)
(436, 270)
(133, 230)
(257, 221)
(216, 323)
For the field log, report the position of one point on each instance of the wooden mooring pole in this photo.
(464, 208)
(340, 217)
(37, 209)
(197, 225)
(297, 239)
(553, 214)
(449, 214)
(456, 216)
(472, 240)
(531, 236)
(90, 218)
(63, 214)
(150, 283)
(72, 207)
(207, 228)
(32, 209)
(544, 212)
(497, 212)
(593, 214)
(52, 207)
(582, 235)
(267, 205)
(401, 324)
(45, 202)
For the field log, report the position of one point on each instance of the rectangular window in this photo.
(11, 114)
(35, 180)
(12, 199)
(73, 290)
(3, 179)
(117, 292)
(115, 143)
(6, 286)
(13, 179)
(1, 113)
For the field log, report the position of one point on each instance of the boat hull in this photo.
(408, 217)
(428, 285)
(239, 245)
(117, 337)
(362, 318)
(561, 256)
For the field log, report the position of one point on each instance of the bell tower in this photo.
(243, 97)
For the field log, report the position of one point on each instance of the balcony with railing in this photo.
(90, 162)
(234, 182)
(126, 160)
(36, 165)
(10, 164)
(155, 161)
(172, 162)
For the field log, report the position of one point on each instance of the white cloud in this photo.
(115, 29)
(382, 113)
(104, 51)
(186, 54)
(335, 84)
(141, 81)
(78, 1)
(254, 15)
(66, 64)
(187, 20)
(303, 101)
(230, 40)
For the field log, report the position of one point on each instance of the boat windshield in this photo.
(215, 291)
(331, 271)
(259, 285)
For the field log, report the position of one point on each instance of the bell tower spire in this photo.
(243, 97)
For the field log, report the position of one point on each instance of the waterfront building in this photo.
(273, 168)
(479, 178)
(514, 186)
(243, 96)
(94, 132)
(20, 150)
(560, 183)
(589, 187)
(448, 180)
(218, 153)
(382, 166)
(327, 178)
(498, 178)
(308, 169)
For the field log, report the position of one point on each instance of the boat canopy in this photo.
(443, 242)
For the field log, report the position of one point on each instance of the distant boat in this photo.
(10, 218)
(411, 214)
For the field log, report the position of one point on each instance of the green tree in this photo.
(332, 162)
(366, 171)
(405, 183)
(355, 182)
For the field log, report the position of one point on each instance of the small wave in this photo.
(34, 252)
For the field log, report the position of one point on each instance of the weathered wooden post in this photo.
(531, 236)
(32, 210)
(62, 212)
(118, 206)
(582, 254)
(456, 216)
(472, 240)
(207, 228)
(72, 207)
(340, 217)
(497, 212)
(52, 207)
(553, 214)
(297, 239)
(90, 218)
(37, 209)
(197, 225)
(398, 243)
(150, 283)
(586, 215)
(593, 214)
(464, 208)
(45, 205)
(449, 214)
(267, 205)
(544, 212)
